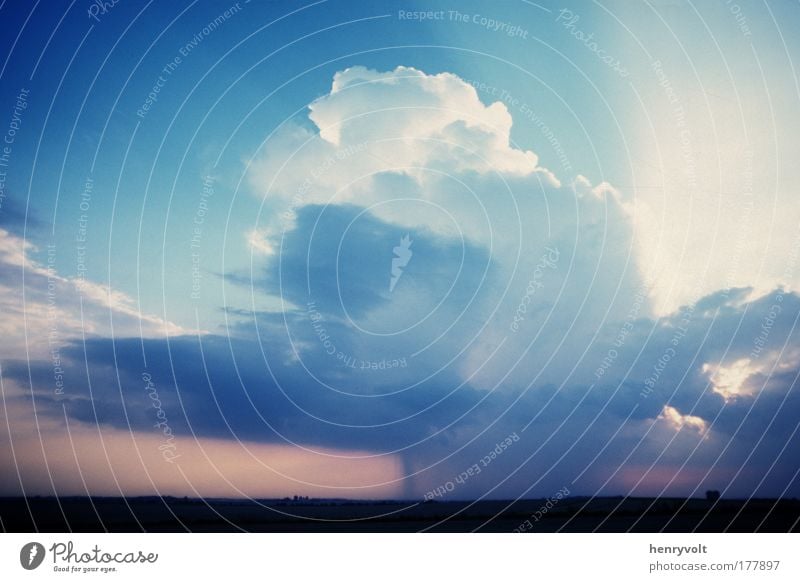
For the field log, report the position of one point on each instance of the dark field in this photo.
(573, 514)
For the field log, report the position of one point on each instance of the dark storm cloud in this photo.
(274, 378)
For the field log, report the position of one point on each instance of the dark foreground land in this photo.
(573, 514)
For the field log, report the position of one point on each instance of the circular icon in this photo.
(31, 555)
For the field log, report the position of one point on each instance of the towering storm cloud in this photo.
(422, 293)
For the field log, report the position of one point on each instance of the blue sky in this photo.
(202, 206)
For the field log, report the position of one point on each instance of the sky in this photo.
(399, 249)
